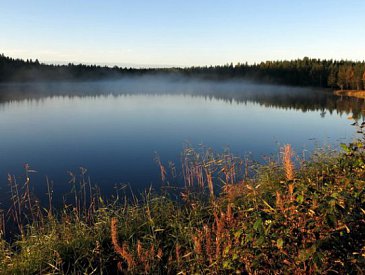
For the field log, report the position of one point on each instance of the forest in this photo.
(309, 72)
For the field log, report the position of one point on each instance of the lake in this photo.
(115, 128)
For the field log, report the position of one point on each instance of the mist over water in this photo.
(114, 128)
(228, 90)
(156, 84)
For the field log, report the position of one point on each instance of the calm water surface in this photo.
(114, 129)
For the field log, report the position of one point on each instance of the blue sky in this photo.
(181, 33)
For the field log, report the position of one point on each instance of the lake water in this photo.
(114, 128)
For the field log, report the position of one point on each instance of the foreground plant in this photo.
(286, 218)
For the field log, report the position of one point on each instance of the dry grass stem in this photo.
(122, 251)
(287, 162)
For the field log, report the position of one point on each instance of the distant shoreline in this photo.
(305, 72)
(351, 93)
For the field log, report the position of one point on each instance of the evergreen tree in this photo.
(342, 77)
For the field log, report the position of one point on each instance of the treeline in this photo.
(32, 70)
(333, 74)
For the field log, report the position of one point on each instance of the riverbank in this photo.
(351, 93)
(293, 215)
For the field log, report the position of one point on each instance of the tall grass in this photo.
(285, 218)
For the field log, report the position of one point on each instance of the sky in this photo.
(181, 33)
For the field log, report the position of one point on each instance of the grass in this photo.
(287, 216)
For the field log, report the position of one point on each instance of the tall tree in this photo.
(342, 77)
(332, 77)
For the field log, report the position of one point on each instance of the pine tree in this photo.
(332, 78)
(342, 77)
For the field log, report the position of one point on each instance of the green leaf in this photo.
(280, 243)
(345, 147)
(249, 238)
(101, 200)
(226, 250)
(227, 264)
(238, 234)
(260, 241)
(257, 224)
(300, 198)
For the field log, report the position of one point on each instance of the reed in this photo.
(288, 165)
(121, 250)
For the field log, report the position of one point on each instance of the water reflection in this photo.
(115, 128)
(304, 99)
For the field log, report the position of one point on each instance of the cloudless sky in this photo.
(181, 32)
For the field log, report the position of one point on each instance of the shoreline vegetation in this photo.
(306, 72)
(351, 93)
(289, 215)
